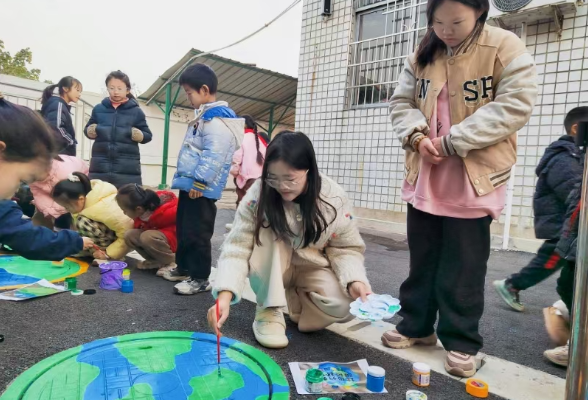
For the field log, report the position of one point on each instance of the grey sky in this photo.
(87, 39)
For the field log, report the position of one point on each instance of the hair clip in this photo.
(73, 178)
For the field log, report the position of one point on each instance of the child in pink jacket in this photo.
(47, 210)
(248, 160)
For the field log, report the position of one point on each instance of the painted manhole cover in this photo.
(16, 271)
(153, 366)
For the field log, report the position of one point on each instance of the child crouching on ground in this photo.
(26, 151)
(154, 233)
(96, 214)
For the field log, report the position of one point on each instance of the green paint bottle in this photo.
(70, 284)
(314, 381)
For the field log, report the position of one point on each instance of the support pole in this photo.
(577, 379)
(270, 127)
(511, 181)
(168, 108)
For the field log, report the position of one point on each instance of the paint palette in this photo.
(153, 365)
(377, 308)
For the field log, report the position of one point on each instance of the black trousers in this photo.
(195, 227)
(448, 263)
(565, 285)
(542, 266)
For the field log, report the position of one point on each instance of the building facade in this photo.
(349, 65)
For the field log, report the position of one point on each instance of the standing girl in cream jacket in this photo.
(459, 102)
(294, 236)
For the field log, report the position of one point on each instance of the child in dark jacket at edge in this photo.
(555, 322)
(26, 152)
(557, 172)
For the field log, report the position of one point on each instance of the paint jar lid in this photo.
(415, 395)
(314, 376)
(421, 367)
(376, 372)
(126, 272)
(77, 292)
(477, 388)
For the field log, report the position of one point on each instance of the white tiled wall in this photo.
(355, 147)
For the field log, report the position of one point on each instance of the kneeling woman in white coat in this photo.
(295, 238)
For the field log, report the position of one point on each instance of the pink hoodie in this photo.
(60, 170)
(245, 164)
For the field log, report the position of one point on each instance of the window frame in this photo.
(417, 8)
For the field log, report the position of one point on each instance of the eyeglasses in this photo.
(290, 184)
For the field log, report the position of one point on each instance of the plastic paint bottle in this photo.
(127, 286)
(375, 379)
(314, 381)
(70, 284)
(126, 274)
(421, 374)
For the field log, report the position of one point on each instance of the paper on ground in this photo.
(339, 377)
(34, 290)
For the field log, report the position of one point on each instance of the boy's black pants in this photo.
(448, 262)
(195, 227)
(565, 285)
(541, 267)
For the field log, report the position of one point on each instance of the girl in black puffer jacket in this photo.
(117, 125)
(56, 110)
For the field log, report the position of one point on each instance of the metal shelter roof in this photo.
(265, 95)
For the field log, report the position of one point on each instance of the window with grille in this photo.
(385, 35)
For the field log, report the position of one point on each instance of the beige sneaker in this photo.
(557, 327)
(460, 364)
(559, 355)
(269, 328)
(161, 271)
(395, 340)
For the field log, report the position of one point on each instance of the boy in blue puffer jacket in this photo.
(203, 168)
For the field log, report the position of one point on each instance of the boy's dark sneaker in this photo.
(193, 286)
(509, 294)
(175, 276)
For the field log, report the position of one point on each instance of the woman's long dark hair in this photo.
(431, 45)
(122, 77)
(67, 82)
(295, 149)
(251, 124)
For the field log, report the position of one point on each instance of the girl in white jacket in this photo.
(294, 236)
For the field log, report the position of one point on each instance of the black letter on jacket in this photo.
(473, 91)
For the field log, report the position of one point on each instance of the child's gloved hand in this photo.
(91, 132)
(224, 302)
(88, 243)
(137, 135)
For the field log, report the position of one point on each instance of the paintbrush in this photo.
(218, 338)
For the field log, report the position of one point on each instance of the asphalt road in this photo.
(37, 329)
